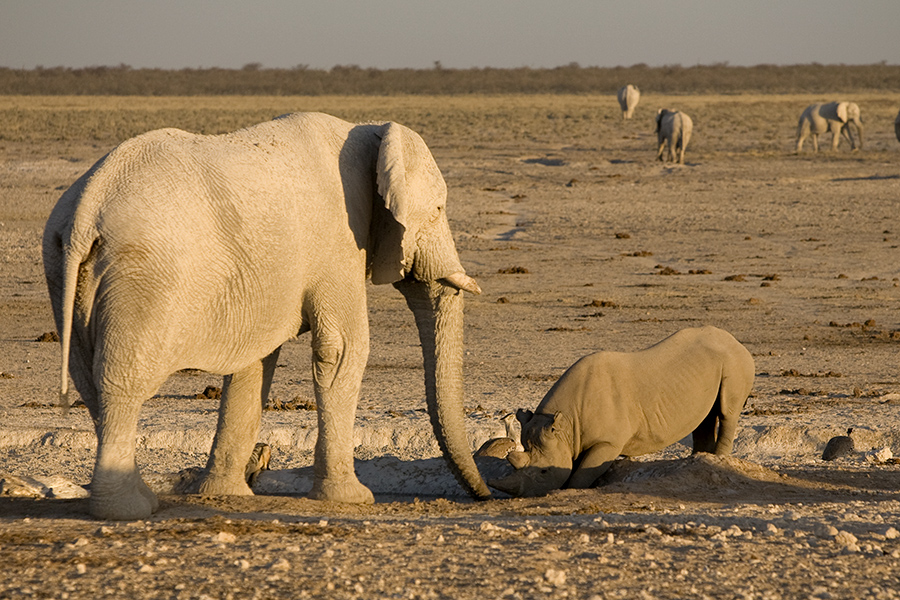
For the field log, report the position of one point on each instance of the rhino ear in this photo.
(556, 421)
(412, 188)
(523, 416)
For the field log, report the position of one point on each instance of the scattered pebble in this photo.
(223, 537)
(555, 577)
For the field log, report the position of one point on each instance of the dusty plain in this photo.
(581, 241)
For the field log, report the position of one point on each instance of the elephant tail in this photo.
(67, 304)
(76, 235)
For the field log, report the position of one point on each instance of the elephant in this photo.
(897, 127)
(835, 117)
(673, 127)
(178, 250)
(610, 404)
(628, 97)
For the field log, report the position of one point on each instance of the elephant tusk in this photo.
(461, 281)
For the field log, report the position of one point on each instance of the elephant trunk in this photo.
(438, 310)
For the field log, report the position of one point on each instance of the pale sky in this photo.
(174, 34)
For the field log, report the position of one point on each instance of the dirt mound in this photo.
(701, 476)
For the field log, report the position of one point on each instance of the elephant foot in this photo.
(138, 502)
(347, 491)
(221, 486)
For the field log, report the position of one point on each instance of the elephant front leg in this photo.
(117, 490)
(338, 365)
(240, 414)
(593, 463)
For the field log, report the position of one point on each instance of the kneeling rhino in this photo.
(610, 404)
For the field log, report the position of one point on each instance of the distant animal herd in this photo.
(673, 127)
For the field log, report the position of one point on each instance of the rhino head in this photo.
(546, 463)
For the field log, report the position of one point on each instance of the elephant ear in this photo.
(413, 190)
(842, 111)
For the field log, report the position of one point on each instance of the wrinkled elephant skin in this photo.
(611, 404)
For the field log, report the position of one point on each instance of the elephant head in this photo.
(413, 248)
(547, 461)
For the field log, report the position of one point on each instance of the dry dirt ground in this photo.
(581, 241)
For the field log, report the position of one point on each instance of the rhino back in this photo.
(644, 401)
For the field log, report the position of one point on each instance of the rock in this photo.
(555, 577)
(52, 486)
(847, 541)
(839, 446)
(879, 456)
(496, 448)
(223, 537)
(280, 565)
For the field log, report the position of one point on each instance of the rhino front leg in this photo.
(593, 463)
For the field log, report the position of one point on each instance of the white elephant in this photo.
(897, 127)
(674, 128)
(628, 97)
(180, 251)
(835, 117)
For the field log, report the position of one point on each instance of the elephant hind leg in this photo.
(240, 413)
(117, 490)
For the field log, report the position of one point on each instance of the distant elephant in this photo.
(628, 97)
(674, 128)
(835, 117)
(897, 127)
(180, 251)
(613, 403)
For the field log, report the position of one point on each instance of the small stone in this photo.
(81, 568)
(280, 565)
(826, 531)
(891, 533)
(146, 569)
(555, 577)
(733, 531)
(242, 564)
(223, 537)
(880, 456)
(845, 538)
(772, 529)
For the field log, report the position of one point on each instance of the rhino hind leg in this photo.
(705, 434)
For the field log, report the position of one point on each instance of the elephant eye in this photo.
(544, 471)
